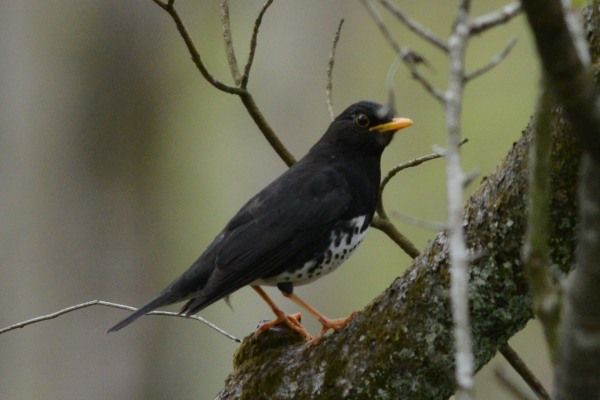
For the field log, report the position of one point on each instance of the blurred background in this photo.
(119, 164)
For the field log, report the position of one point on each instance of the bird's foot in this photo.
(292, 321)
(336, 324)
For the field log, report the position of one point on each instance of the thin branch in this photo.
(485, 22)
(266, 129)
(330, 64)
(405, 165)
(565, 70)
(161, 4)
(253, 43)
(524, 372)
(229, 50)
(387, 227)
(495, 61)
(455, 178)
(389, 82)
(103, 303)
(419, 222)
(536, 254)
(404, 53)
(414, 26)
(511, 387)
(170, 9)
(244, 95)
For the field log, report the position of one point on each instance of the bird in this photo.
(301, 226)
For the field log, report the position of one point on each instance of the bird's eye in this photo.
(361, 120)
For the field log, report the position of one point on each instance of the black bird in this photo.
(300, 227)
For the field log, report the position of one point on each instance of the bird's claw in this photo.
(292, 321)
(335, 324)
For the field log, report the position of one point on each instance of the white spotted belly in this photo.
(342, 244)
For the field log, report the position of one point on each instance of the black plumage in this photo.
(292, 224)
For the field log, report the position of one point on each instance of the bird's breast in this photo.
(342, 242)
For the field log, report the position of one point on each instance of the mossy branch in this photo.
(401, 346)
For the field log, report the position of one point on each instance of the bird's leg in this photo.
(326, 323)
(292, 321)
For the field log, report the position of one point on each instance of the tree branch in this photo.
(387, 227)
(253, 43)
(330, 64)
(455, 180)
(170, 9)
(400, 167)
(568, 77)
(229, 50)
(266, 129)
(502, 16)
(414, 26)
(565, 64)
(524, 372)
(109, 304)
(241, 91)
(494, 62)
(536, 253)
(401, 345)
(404, 53)
(510, 386)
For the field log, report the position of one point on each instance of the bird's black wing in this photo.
(269, 230)
(272, 228)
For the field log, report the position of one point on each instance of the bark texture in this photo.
(566, 71)
(568, 75)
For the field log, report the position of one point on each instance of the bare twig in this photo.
(330, 64)
(112, 305)
(414, 26)
(519, 365)
(253, 42)
(536, 254)
(387, 227)
(170, 9)
(408, 164)
(405, 53)
(241, 91)
(505, 14)
(266, 129)
(389, 82)
(507, 383)
(161, 4)
(459, 255)
(419, 222)
(229, 50)
(497, 59)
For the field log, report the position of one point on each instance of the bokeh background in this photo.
(119, 163)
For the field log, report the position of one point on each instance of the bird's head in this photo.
(364, 126)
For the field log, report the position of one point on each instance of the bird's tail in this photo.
(159, 301)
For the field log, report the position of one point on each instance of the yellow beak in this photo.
(394, 125)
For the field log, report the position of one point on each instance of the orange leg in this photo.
(292, 321)
(326, 323)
